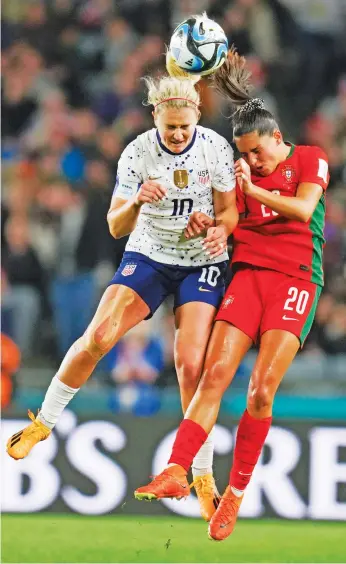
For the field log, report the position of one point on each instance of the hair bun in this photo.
(251, 105)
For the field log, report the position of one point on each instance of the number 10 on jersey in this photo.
(182, 207)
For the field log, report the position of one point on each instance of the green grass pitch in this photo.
(70, 538)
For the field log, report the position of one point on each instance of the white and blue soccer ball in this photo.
(199, 45)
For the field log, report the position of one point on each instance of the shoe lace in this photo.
(204, 485)
(36, 423)
(31, 416)
(227, 509)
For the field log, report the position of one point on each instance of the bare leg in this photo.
(119, 310)
(193, 322)
(277, 351)
(227, 347)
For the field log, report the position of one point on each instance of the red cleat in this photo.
(171, 482)
(224, 519)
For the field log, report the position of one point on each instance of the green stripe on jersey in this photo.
(316, 227)
(310, 318)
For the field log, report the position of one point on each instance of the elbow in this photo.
(304, 216)
(113, 231)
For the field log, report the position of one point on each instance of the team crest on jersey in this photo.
(128, 269)
(203, 177)
(181, 178)
(288, 172)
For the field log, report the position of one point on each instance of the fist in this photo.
(215, 243)
(197, 224)
(243, 175)
(150, 192)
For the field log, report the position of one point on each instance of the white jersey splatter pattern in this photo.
(189, 177)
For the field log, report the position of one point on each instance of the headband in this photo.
(167, 100)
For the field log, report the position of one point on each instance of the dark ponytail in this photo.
(232, 80)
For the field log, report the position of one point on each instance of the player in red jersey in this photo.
(278, 277)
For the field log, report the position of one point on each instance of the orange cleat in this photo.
(21, 443)
(171, 482)
(224, 519)
(207, 495)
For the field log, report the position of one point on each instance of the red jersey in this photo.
(264, 238)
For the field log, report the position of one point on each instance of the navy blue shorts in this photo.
(153, 281)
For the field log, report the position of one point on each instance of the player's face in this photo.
(176, 127)
(261, 152)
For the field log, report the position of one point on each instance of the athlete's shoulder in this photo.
(144, 140)
(136, 150)
(313, 165)
(212, 137)
(310, 151)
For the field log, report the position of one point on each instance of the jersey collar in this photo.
(292, 147)
(164, 148)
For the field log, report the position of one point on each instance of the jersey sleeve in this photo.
(129, 177)
(314, 167)
(224, 178)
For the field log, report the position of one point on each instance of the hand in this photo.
(150, 192)
(243, 174)
(198, 222)
(215, 243)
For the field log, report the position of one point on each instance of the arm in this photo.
(226, 219)
(226, 213)
(299, 208)
(123, 214)
(130, 192)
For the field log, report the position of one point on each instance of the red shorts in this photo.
(259, 299)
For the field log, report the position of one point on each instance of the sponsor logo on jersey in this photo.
(181, 178)
(128, 269)
(203, 177)
(228, 301)
(288, 172)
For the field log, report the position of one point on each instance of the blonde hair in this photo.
(175, 91)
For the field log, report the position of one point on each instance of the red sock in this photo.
(249, 442)
(190, 437)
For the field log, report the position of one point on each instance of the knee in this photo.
(214, 378)
(188, 371)
(259, 400)
(97, 343)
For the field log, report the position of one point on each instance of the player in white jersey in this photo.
(188, 178)
(175, 194)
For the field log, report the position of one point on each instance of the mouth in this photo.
(261, 170)
(178, 145)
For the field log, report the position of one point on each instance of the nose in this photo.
(178, 135)
(252, 160)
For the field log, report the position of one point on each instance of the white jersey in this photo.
(189, 177)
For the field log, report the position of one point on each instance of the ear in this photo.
(198, 116)
(277, 136)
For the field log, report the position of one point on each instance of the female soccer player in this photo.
(278, 277)
(175, 184)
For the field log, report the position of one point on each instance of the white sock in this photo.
(203, 461)
(56, 399)
(236, 492)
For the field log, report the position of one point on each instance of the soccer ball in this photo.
(199, 45)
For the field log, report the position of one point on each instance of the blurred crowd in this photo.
(72, 99)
